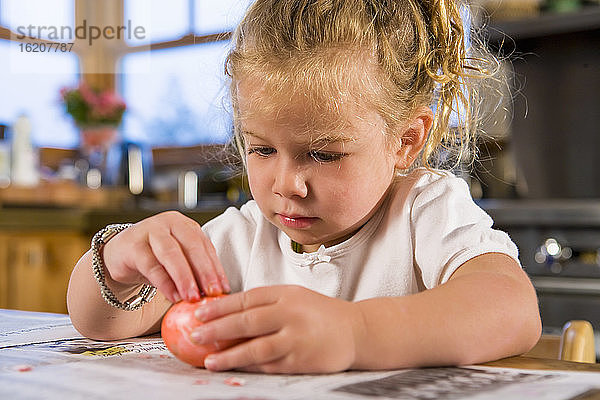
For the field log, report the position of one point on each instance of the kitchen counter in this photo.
(548, 212)
(87, 221)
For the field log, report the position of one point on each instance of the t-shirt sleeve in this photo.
(232, 234)
(449, 229)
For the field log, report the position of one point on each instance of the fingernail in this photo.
(213, 289)
(200, 313)
(196, 335)
(227, 287)
(194, 294)
(210, 362)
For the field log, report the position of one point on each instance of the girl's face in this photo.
(316, 192)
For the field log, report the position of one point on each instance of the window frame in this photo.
(113, 13)
(186, 40)
(9, 36)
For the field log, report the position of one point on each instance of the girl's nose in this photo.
(290, 182)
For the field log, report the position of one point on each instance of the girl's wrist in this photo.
(102, 274)
(359, 334)
(120, 288)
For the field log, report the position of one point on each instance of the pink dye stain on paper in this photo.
(234, 381)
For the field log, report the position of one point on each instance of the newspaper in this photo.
(42, 356)
(18, 327)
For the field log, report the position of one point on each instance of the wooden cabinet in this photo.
(35, 268)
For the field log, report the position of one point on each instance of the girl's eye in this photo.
(325, 157)
(261, 151)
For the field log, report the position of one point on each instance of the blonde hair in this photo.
(406, 54)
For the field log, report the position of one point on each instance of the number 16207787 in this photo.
(45, 47)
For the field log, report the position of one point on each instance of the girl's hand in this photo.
(292, 330)
(170, 252)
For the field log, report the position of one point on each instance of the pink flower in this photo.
(108, 103)
(90, 107)
(88, 94)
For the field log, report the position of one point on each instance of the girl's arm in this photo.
(96, 319)
(169, 251)
(486, 311)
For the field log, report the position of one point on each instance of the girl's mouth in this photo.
(296, 222)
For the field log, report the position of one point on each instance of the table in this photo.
(42, 356)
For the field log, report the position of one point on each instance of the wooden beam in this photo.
(186, 40)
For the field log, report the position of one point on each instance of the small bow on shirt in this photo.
(315, 258)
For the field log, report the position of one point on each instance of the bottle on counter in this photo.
(24, 156)
(4, 157)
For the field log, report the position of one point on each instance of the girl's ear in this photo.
(414, 137)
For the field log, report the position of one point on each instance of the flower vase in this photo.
(95, 141)
(98, 136)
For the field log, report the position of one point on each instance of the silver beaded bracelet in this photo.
(145, 294)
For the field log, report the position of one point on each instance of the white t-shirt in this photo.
(424, 230)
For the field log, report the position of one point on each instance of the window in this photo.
(222, 16)
(175, 88)
(179, 101)
(30, 83)
(162, 20)
(36, 17)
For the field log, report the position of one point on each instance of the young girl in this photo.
(350, 256)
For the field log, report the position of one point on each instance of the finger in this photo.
(254, 352)
(202, 256)
(154, 274)
(237, 302)
(171, 257)
(257, 321)
(279, 366)
(219, 270)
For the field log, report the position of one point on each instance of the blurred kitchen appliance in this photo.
(133, 162)
(5, 161)
(24, 156)
(187, 189)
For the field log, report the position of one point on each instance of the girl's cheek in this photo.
(257, 180)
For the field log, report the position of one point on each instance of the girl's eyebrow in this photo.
(248, 133)
(320, 140)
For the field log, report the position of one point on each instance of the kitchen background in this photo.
(97, 130)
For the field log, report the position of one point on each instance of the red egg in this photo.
(177, 325)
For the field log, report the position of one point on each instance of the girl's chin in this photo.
(307, 237)
(305, 241)
(312, 244)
